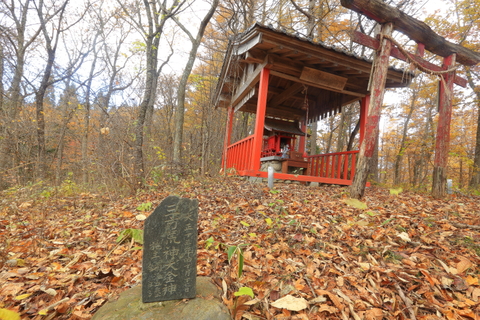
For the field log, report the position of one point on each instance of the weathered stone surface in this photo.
(206, 306)
(170, 251)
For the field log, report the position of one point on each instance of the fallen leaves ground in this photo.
(405, 256)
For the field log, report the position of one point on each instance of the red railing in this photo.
(239, 154)
(340, 165)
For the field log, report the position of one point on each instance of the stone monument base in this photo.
(206, 306)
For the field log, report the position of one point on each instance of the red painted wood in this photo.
(327, 165)
(354, 163)
(260, 118)
(294, 177)
(420, 50)
(373, 43)
(363, 116)
(239, 154)
(322, 165)
(377, 90)
(444, 115)
(333, 165)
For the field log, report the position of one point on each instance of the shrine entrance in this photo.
(391, 19)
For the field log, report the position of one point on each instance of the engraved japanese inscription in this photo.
(170, 251)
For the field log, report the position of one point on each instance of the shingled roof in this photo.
(306, 78)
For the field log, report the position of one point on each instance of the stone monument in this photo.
(170, 251)
(169, 272)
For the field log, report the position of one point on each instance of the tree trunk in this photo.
(313, 138)
(401, 149)
(475, 180)
(182, 87)
(3, 132)
(330, 134)
(51, 46)
(377, 90)
(341, 130)
(9, 157)
(86, 115)
(351, 139)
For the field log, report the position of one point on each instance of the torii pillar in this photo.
(377, 90)
(422, 34)
(443, 129)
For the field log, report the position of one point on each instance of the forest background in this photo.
(116, 95)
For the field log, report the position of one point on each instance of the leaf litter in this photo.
(307, 253)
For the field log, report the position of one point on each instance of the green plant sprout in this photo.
(147, 206)
(236, 250)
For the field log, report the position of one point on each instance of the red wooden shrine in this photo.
(289, 82)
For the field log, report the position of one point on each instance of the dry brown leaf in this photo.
(374, 314)
(290, 303)
(327, 308)
(336, 300)
(473, 281)
(463, 265)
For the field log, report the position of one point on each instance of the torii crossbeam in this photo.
(392, 18)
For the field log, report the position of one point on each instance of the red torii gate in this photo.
(392, 18)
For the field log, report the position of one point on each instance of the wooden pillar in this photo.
(443, 129)
(301, 147)
(228, 136)
(364, 103)
(260, 119)
(377, 90)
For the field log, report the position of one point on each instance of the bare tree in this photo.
(157, 13)
(51, 42)
(180, 110)
(15, 33)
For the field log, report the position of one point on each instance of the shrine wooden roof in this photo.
(306, 78)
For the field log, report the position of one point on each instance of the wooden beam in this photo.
(249, 83)
(323, 78)
(287, 93)
(373, 43)
(292, 78)
(295, 177)
(244, 100)
(286, 112)
(249, 44)
(413, 28)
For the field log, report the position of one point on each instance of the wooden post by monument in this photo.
(443, 129)
(228, 136)
(260, 118)
(377, 89)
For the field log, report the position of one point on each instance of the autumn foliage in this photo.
(309, 253)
